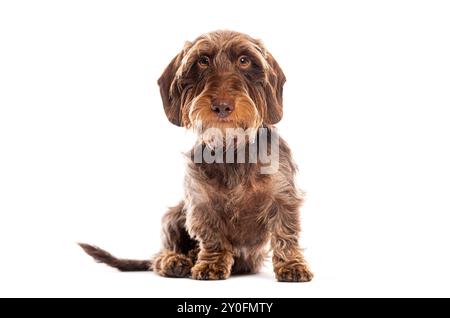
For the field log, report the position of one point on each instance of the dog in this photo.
(231, 212)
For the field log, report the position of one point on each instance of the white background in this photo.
(86, 153)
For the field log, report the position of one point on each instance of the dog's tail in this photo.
(124, 265)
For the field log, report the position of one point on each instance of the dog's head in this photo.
(223, 79)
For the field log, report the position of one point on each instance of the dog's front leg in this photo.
(288, 261)
(214, 262)
(215, 258)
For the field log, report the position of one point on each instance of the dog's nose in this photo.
(222, 107)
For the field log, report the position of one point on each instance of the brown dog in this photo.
(231, 211)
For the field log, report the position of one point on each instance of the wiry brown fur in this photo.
(230, 212)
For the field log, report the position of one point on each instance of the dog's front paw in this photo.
(293, 273)
(210, 271)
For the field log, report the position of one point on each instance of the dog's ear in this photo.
(274, 92)
(170, 90)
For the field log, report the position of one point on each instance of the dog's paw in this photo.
(210, 271)
(293, 273)
(173, 265)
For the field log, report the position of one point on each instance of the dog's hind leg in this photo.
(179, 251)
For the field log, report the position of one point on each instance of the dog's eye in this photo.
(203, 61)
(244, 61)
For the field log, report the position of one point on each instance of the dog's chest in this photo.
(246, 212)
(239, 200)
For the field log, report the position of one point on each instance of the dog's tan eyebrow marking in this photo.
(244, 44)
(200, 47)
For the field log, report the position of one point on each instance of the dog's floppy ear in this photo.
(274, 92)
(170, 90)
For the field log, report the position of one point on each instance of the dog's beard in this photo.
(226, 139)
(239, 128)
